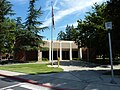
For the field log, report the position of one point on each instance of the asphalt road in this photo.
(9, 84)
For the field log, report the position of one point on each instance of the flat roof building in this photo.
(65, 50)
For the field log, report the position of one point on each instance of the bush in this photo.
(76, 59)
(10, 62)
(44, 59)
(7, 62)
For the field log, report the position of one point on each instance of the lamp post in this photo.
(108, 26)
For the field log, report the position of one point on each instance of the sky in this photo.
(66, 12)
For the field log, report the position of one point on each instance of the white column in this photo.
(60, 51)
(70, 51)
(50, 51)
(39, 56)
(81, 53)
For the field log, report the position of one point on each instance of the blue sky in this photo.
(66, 12)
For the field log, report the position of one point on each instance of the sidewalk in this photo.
(74, 77)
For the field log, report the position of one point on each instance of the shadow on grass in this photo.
(45, 73)
(10, 62)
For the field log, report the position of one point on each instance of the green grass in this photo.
(31, 68)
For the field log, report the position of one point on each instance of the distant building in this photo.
(65, 50)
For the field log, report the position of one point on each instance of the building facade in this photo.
(65, 50)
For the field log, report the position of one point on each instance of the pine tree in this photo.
(30, 38)
(32, 25)
(5, 11)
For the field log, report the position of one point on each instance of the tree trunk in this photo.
(25, 56)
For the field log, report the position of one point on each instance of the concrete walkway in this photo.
(76, 76)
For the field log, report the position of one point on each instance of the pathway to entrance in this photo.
(89, 74)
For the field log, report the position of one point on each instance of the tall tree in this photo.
(69, 34)
(19, 24)
(92, 33)
(61, 36)
(18, 33)
(32, 24)
(5, 11)
(112, 14)
(9, 35)
(30, 38)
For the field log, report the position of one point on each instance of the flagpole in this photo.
(52, 31)
(52, 43)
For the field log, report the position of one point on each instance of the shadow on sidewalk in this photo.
(73, 80)
(79, 64)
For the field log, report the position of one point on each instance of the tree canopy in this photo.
(69, 34)
(112, 13)
(90, 32)
(16, 35)
(7, 27)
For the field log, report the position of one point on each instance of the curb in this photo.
(33, 82)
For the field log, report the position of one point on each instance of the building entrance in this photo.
(65, 55)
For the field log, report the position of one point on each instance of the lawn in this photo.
(30, 68)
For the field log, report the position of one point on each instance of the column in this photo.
(70, 51)
(80, 53)
(39, 56)
(49, 51)
(60, 51)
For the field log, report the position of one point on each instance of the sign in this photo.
(108, 25)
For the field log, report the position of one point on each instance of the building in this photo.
(65, 50)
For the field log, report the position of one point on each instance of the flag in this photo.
(52, 17)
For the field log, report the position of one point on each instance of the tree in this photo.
(81, 35)
(9, 35)
(30, 38)
(69, 34)
(5, 11)
(61, 36)
(32, 24)
(92, 33)
(19, 25)
(112, 14)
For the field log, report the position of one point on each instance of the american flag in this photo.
(52, 17)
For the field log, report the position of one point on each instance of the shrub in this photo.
(44, 59)
(76, 59)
